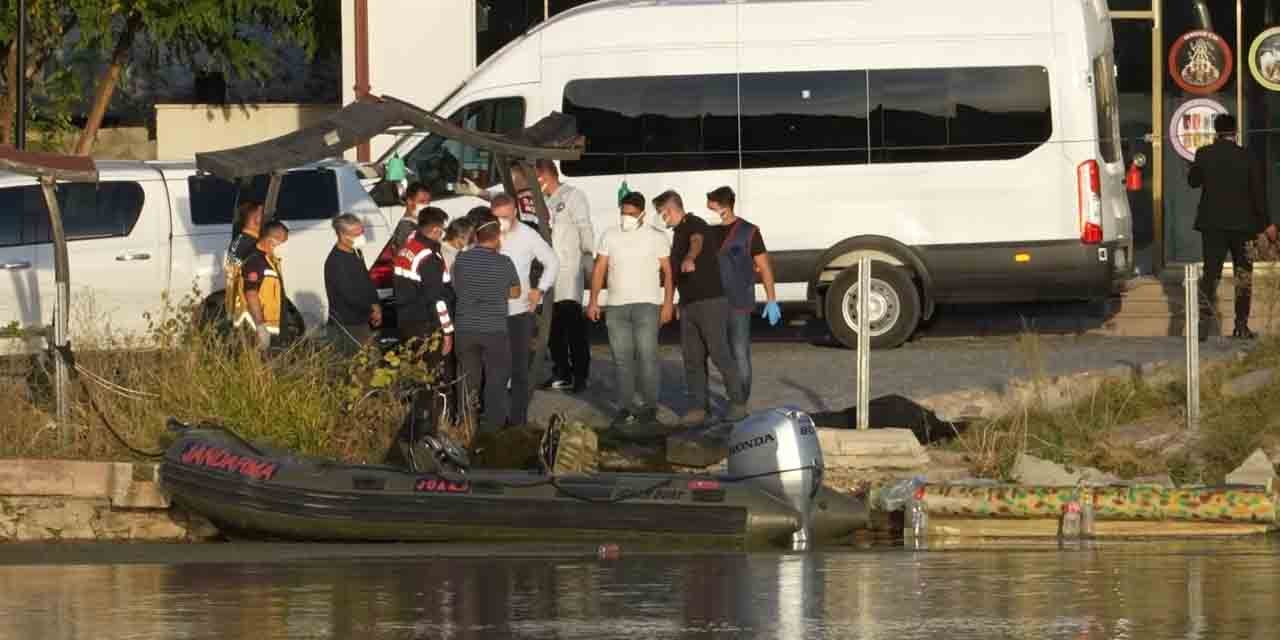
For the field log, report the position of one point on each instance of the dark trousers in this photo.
(520, 333)
(487, 356)
(703, 334)
(570, 342)
(1217, 244)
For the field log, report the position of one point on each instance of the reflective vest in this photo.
(270, 294)
(420, 303)
(231, 269)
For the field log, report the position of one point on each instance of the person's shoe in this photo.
(624, 418)
(695, 418)
(1244, 333)
(556, 383)
(579, 386)
(736, 413)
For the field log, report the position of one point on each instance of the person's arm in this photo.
(597, 283)
(765, 266)
(1195, 175)
(690, 263)
(668, 290)
(434, 288)
(550, 269)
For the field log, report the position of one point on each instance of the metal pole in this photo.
(1191, 285)
(20, 125)
(62, 306)
(864, 343)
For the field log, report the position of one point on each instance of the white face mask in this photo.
(358, 242)
(713, 219)
(504, 224)
(631, 224)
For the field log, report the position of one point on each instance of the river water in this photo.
(1206, 589)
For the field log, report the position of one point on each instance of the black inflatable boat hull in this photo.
(250, 493)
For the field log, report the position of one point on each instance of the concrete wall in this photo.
(182, 130)
(419, 51)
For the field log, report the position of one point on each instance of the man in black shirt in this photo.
(244, 239)
(704, 310)
(353, 301)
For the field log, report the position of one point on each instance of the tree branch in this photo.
(107, 84)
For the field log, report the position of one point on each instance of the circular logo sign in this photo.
(1192, 126)
(1264, 58)
(1200, 62)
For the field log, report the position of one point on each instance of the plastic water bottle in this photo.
(1087, 518)
(1069, 527)
(916, 526)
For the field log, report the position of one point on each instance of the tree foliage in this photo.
(235, 37)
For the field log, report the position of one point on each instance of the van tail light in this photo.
(1089, 192)
(382, 273)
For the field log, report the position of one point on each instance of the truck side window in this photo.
(89, 211)
(309, 194)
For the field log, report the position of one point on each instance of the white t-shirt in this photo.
(635, 274)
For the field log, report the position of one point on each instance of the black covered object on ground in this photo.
(895, 412)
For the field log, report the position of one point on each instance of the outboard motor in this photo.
(778, 452)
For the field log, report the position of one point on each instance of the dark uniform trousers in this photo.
(570, 342)
(1217, 244)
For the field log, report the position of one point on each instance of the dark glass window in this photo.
(310, 194)
(654, 124)
(804, 119)
(948, 115)
(438, 162)
(89, 211)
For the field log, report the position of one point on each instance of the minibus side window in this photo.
(802, 119)
(439, 163)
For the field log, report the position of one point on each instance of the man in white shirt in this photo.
(573, 239)
(636, 258)
(523, 245)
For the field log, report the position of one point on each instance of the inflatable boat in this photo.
(771, 496)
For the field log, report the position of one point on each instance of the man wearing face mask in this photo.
(416, 198)
(742, 255)
(422, 283)
(704, 311)
(573, 239)
(353, 301)
(523, 245)
(261, 302)
(636, 260)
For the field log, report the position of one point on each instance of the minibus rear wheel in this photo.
(895, 306)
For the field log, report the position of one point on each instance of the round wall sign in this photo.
(1264, 58)
(1200, 62)
(1192, 126)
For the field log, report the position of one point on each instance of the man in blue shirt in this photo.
(742, 255)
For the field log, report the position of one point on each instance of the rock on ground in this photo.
(1257, 470)
(1249, 383)
(1032, 471)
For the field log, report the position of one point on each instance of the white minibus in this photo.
(970, 148)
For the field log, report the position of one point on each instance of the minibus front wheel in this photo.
(894, 306)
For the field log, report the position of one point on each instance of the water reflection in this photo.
(1207, 590)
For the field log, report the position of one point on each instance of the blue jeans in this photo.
(739, 327)
(633, 338)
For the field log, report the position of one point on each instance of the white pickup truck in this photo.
(150, 228)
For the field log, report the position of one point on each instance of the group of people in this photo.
(470, 288)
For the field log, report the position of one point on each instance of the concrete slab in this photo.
(874, 449)
(56, 478)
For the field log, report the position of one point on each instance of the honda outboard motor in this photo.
(778, 452)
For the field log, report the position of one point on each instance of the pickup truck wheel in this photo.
(894, 306)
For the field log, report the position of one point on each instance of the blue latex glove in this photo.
(773, 312)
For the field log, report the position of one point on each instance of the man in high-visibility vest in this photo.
(246, 229)
(261, 303)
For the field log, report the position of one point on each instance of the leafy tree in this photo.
(213, 35)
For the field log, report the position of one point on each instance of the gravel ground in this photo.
(792, 370)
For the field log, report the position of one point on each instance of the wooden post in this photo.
(273, 196)
(864, 343)
(548, 302)
(62, 308)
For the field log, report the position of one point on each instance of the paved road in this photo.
(793, 370)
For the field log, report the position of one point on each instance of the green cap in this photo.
(395, 168)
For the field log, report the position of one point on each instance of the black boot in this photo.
(1243, 332)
